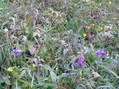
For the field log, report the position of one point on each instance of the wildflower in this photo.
(10, 69)
(39, 65)
(110, 2)
(12, 37)
(6, 30)
(33, 65)
(101, 28)
(37, 33)
(108, 27)
(93, 25)
(56, 14)
(84, 35)
(16, 52)
(65, 51)
(79, 62)
(63, 43)
(114, 18)
(100, 52)
(107, 51)
(57, 68)
(89, 36)
(24, 39)
(96, 75)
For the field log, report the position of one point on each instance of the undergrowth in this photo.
(59, 44)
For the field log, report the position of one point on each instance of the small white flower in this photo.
(37, 33)
(24, 38)
(63, 42)
(6, 30)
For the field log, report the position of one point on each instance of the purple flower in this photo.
(89, 36)
(66, 51)
(108, 27)
(79, 62)
(100, 52)
(16, 52)
(39, 65)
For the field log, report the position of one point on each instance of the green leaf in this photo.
(6, 80)
(30, 36)
(22, 73)
(43, 53)
(25, 82)
(53, 76)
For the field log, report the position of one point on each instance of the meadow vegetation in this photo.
(59, 44)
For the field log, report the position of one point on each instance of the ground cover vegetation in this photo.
(59, 44)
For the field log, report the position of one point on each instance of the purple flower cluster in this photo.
(16, 52)
(79, 62)
(89, 36)
(100, 52)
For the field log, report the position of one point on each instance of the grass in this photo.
(40, 44)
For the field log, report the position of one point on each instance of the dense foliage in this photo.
(59, 44)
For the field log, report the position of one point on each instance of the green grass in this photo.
(52, 38)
